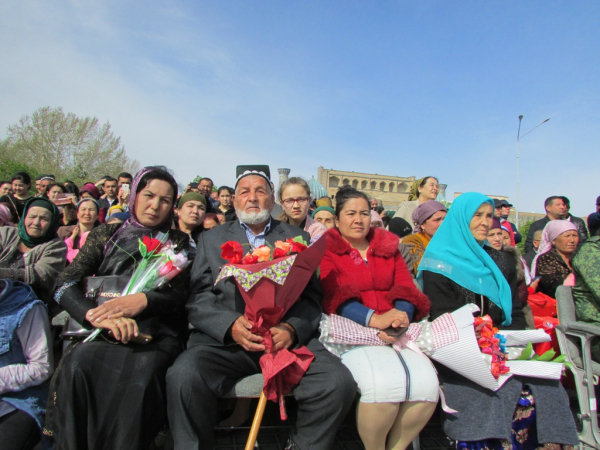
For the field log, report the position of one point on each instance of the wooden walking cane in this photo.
(258, 416)
(260, 411)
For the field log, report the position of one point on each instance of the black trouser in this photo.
(18, 431)
(203, 373)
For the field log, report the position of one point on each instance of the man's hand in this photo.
(241, 335)
(127, 306)
(283, 335)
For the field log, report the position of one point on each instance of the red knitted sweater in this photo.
(378, 284)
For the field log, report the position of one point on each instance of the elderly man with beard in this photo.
(221, 349)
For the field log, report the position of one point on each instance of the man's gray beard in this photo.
(254, 218)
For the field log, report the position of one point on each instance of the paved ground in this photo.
(274, 433)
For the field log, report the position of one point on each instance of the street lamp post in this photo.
(518, 155)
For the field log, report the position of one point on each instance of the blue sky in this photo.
(390, 87)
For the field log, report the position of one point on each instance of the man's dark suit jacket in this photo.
(212, 310)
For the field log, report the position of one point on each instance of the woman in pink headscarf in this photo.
(553, 261)
(5, 216)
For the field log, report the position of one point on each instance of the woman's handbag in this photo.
(102, 289)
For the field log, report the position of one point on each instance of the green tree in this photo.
(70, 147)
(524, 229)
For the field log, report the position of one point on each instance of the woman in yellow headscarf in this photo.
(422, 191)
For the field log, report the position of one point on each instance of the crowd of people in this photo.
(168, 355)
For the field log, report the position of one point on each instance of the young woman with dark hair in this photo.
(365, 279)
(225, 194)
(21, 183)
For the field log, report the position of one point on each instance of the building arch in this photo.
(373, 185)
(364, 184)
(382, 186)
(334, 181)
(355, 184)
(345, 182)
(392, 186)
(403, 187)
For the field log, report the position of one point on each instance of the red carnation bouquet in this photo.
(271, 279)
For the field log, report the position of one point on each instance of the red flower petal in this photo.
(249, 259)
(152, 245)
(232, 251)
(279, 252)
(165, 269)
(297, 247)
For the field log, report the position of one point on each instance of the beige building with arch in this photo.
(389, 189)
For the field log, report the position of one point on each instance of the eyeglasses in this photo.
(290, 201)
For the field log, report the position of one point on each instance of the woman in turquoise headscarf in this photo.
(32, 252)
(459, 267)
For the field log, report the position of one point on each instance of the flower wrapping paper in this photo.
(449, 340)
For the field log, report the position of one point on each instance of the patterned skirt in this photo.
(524, 432)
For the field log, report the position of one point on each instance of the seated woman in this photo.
(458, 268)
(423, 190)
(6, 216)
(25, 364)
(366, 280)
(497, 240)
(114, 209)
(294, 197)
(190, 211)
(210, 221)
(52, 192)
(400, 227)
(113, 396)
(90, 190)
(71, 188)
(31, 252)
(5, 187)
(552, 263)
(427, 218)
(324, 215)
(376, 221)
(21, 183)
(75, 235)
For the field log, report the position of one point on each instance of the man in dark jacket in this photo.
(593, 220)
(221, 349)
(556, 209)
